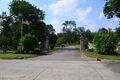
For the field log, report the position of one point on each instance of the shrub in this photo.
(27, 43)
(105, 43)
(15, 52)
(91, 50)
(62, 45)
(52, 46)
(59, 41)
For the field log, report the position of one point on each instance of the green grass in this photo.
(94, 55)
(77, 47)
(109, 57)
(10, 55)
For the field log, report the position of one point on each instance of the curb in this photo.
(104, 60)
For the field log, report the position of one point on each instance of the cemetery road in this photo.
(69, 53)
(63, 64)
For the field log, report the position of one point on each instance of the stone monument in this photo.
(82, 44)
(47, 44)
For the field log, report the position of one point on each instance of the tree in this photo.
(74, 37)
(103, 30)
(67, 28)
(28, 43)
(105, 43)
(88, 36)
(112, 8)
(6, 31)
(80, 31)
(22, 9)
(117, 31)
(62, 36)
(50, 31)
(59, 41)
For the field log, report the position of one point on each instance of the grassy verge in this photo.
(10, 55)
(77, 47)
(95, 55)
(108, 57)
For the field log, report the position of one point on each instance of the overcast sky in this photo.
(86, 13)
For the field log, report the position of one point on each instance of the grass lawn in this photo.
(109, 57)
(94, 55)
(10, 55)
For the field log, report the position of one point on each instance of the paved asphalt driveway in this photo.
(63, 64)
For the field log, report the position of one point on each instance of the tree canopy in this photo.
(111, 8)
(67, 28)
(11, 31)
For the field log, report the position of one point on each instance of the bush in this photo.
(91, 50)
(27, 43)
(62, 45)
(105, 43)
(52, 46)
(59, 41)
(15, 52)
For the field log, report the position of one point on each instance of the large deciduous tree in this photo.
(112, 7)
(103, 30)
(117, 31)
(67, 28)
(21, 9)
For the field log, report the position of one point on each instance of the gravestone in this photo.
(82, 44)
(47, 44)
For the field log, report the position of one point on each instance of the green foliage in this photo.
(91, 50)
(23, 9)
(59, 41)
(86, 40)
(12, 24)
(15, 52)
(78, 42)
(28, 43)
(111, 8)
(103, 30)
(88, 35)
(67, 28)
(105, 43)
(62, 45)
(52, 46)
(117, 31)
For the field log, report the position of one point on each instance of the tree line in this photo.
(72, 34)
